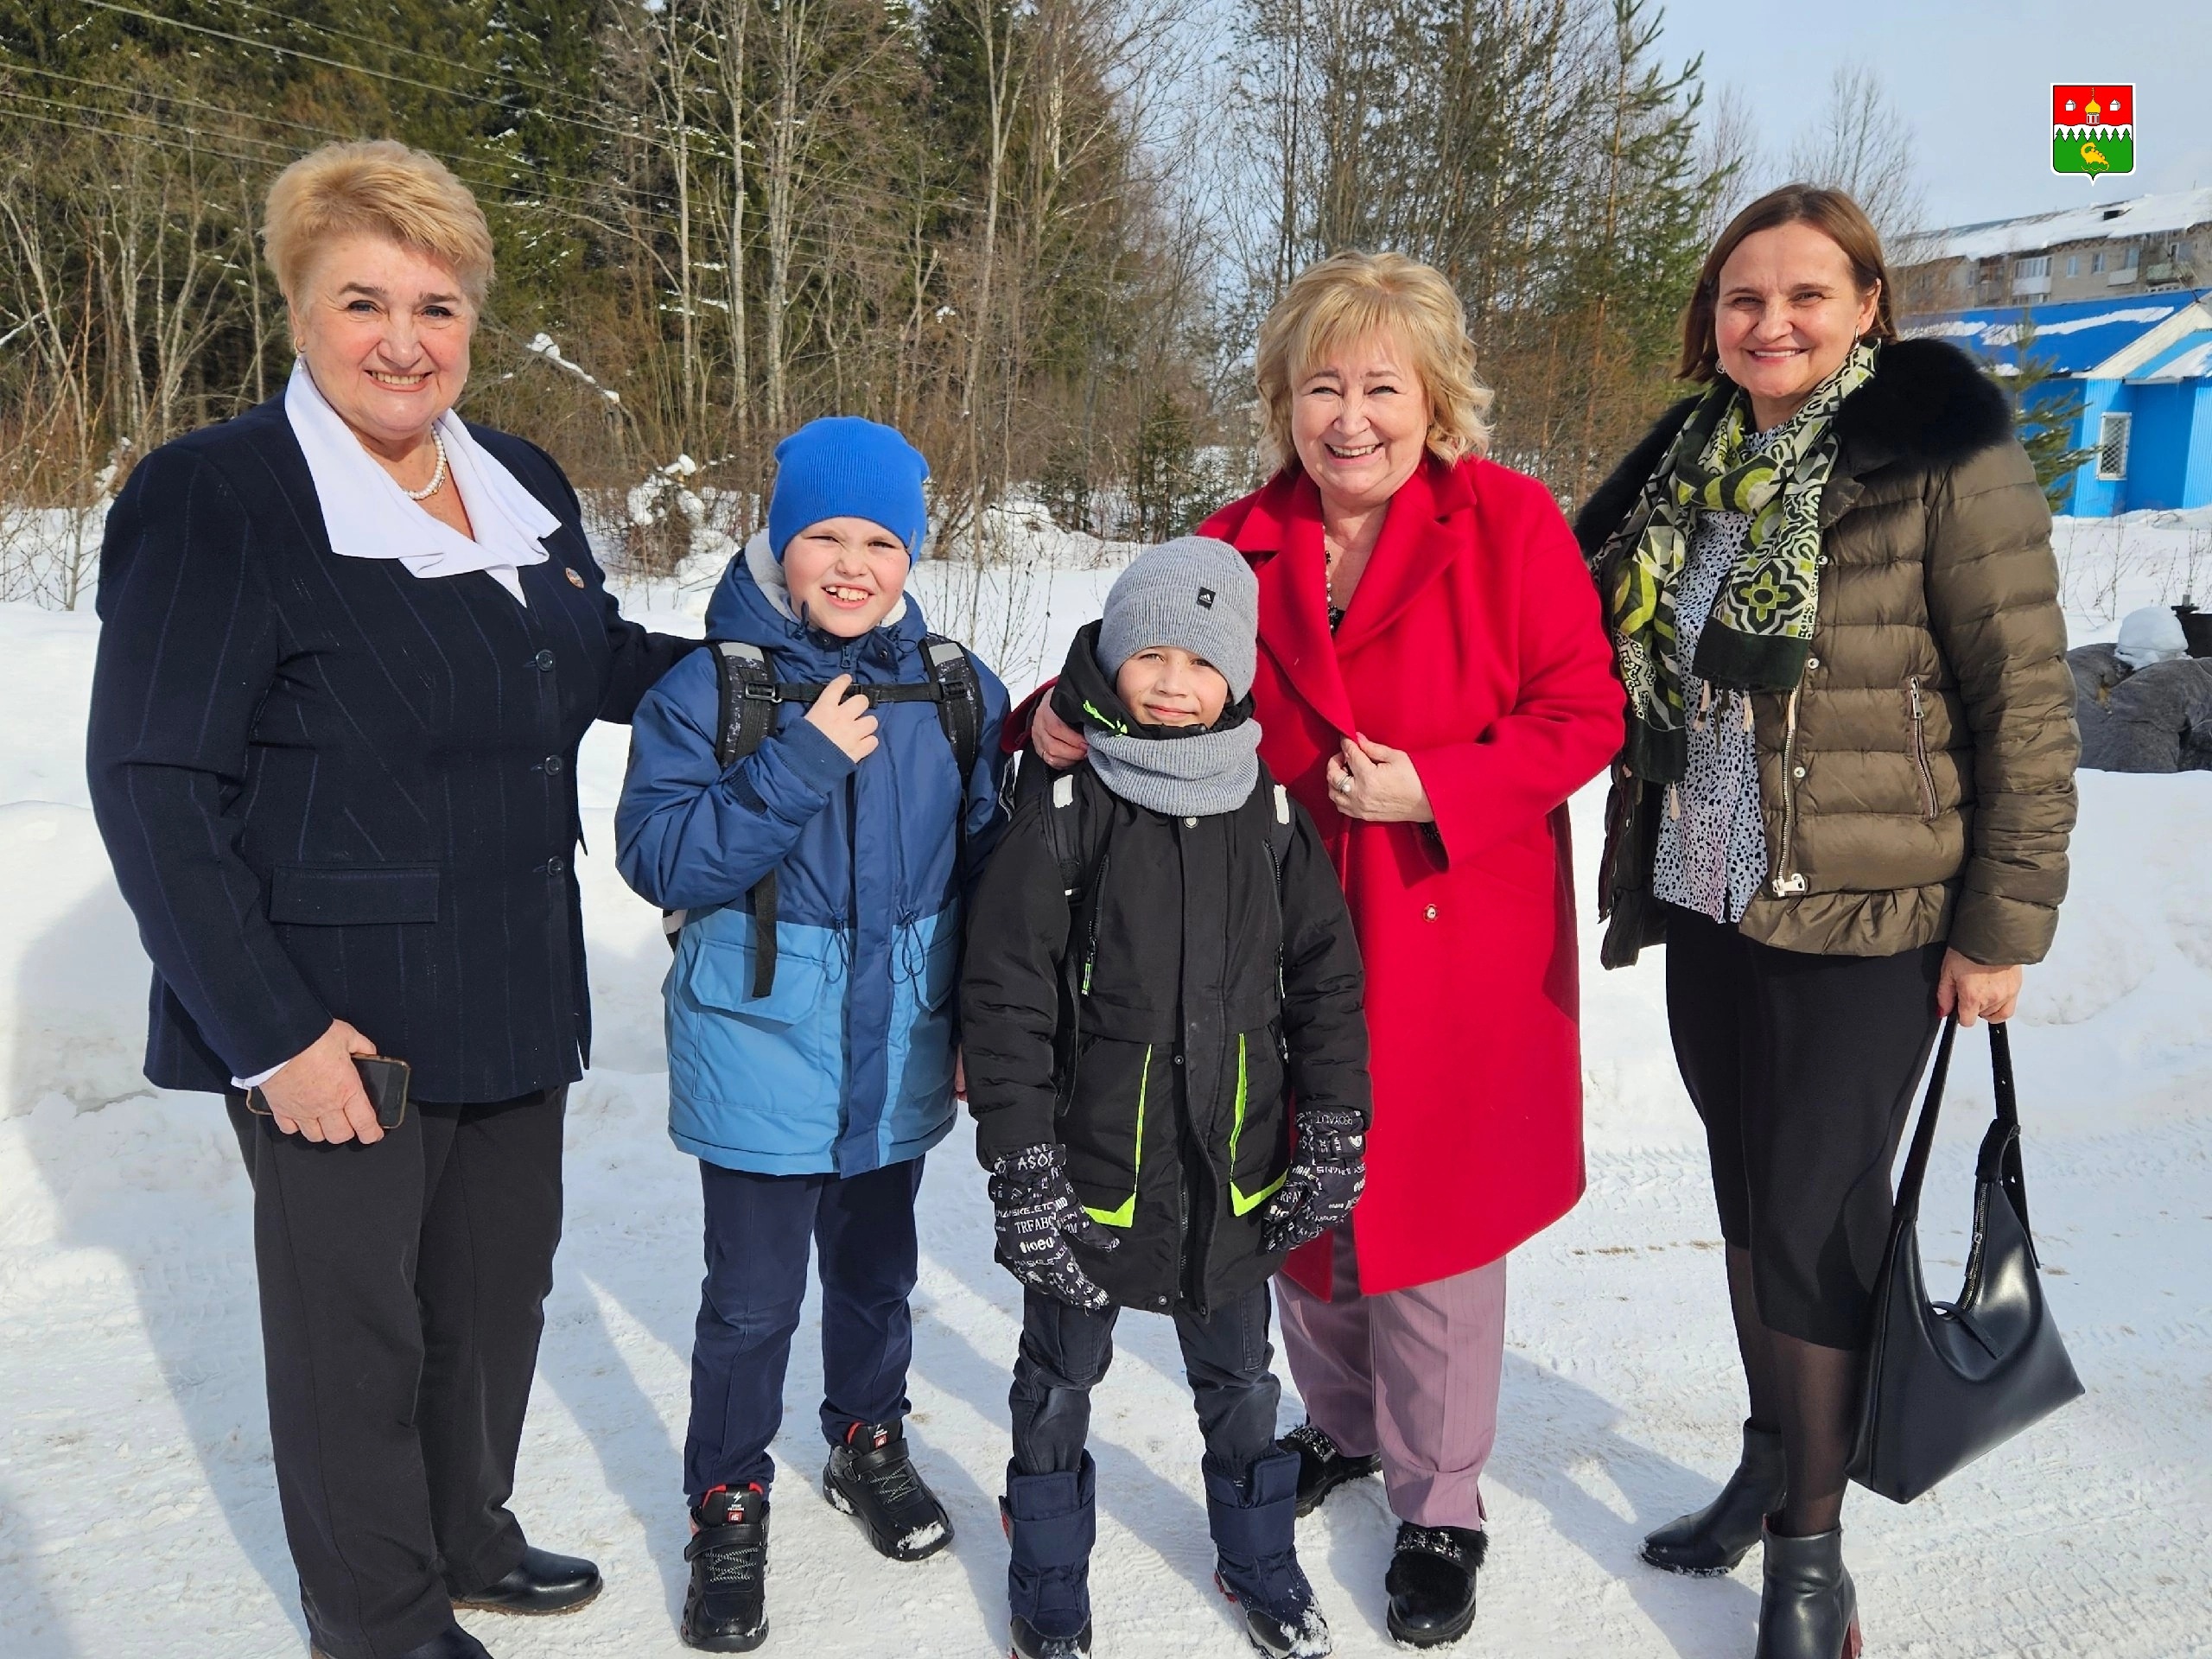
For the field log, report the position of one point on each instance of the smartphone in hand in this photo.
(383, 1079)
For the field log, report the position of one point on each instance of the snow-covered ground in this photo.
(138, 1516)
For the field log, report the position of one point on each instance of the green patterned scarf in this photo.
(1761, 631)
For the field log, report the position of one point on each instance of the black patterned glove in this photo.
(1037, 1214)
(1326, 1176)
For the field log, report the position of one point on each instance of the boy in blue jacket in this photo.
(797, 799)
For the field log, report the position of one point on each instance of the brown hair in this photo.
(1350, 297)
(381, 187)
(1833, 214)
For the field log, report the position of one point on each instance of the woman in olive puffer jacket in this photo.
(1843, 806)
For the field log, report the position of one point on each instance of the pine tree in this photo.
(2046, 415)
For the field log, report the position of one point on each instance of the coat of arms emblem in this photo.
(2092, 130)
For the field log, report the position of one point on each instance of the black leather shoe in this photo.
(1809, 1608)
(453, 1644)
(1432, 1583)
(541, 1583)
(1321, 1467)
(1711, 1541)
(726, 1609)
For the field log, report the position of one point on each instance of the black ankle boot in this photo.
(1431, 1583)
(1809, 1608)
(541, 1583)
(1711, 1541)
(726, 1609)
(1322, 1467)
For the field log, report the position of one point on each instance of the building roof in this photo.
(2077, 338)
(2165, 215)
(2189, 357)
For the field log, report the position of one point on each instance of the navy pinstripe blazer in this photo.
(331, 788)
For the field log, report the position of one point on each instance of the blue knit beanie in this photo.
(842, 466)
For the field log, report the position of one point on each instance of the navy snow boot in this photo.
(1050, 1521)
(1254, 1524)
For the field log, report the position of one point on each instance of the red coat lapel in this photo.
(1280, 533)
(1416, 546)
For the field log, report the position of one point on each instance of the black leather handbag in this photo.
(1946, 1382)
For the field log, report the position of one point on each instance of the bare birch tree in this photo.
(1861, 142)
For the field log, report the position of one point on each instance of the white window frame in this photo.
(2115, 431)
(2073, 264)
(2034, 266)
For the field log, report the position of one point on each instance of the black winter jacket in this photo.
(1159, 1020)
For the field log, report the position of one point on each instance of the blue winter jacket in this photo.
(846, 1064)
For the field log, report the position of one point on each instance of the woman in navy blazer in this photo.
(350, 647)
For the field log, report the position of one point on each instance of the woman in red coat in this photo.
(1434, 681)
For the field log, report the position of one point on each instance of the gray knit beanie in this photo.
(1193, 593)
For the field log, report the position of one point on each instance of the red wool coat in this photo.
(1474, 643)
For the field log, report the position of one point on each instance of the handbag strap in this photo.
(1999, 1158)
(1923, 1136)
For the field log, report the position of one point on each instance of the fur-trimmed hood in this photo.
(1928, 405)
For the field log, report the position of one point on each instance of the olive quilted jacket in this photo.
(1919, 783)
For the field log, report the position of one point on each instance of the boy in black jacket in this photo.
(1159, 961)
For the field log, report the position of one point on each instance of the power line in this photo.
(709, 149)
(540, 88)
(337, 63)
(285, 153)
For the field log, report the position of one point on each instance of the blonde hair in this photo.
(381, 187)
(1354, 296)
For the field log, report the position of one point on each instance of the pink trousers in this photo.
(1411, 1374)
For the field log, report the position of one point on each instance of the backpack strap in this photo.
(958, 693)
(1281, 829)
(746, 696)
(1068, 816)
(747, 693)
(1063, 834)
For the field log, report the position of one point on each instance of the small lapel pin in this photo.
(574, 581)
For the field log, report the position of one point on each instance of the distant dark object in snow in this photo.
(2197, 628)
(2156, 718)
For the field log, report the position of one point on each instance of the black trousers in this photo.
(1064, 1353)
(402, 1289)
(1803, 1068)
(757, 1233)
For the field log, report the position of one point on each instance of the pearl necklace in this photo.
(437, 478)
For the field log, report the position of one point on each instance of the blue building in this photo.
(2143, 366)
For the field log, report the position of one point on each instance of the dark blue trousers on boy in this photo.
(760, 1230)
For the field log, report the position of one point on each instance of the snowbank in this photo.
(138, 1513)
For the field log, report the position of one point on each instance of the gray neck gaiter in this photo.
(1191, 777)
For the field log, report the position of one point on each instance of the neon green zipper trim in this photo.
(1104, 719)
(1125, 1214)
(1239, 1203)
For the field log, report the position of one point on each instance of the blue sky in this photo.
(1974, 78)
